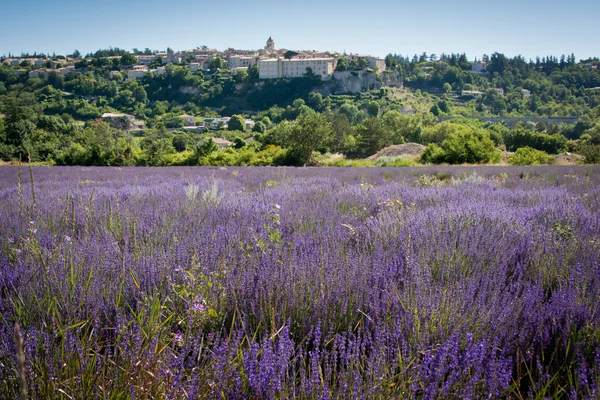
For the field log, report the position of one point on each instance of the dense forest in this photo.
(56, 118)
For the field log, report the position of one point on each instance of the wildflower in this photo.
(18, 251)
(178, 338)
(32, 230)
(276, 206)
(198, 306)
(67, 238)
(11, 240)
(31, 222)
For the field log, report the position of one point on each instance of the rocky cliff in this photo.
(359, 81)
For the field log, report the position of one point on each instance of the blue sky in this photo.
(528, 27)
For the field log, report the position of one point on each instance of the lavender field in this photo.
(190, 283)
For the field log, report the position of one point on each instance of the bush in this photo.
(530, 156)
(590, 153)
(520, 137)
(472, 146)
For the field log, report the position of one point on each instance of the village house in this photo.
(124, 122)
(241, 62)
(474, 93)
(64, 71)
(137, 73)
(38, 73)
(479, 66)
(249, 123)
(372, 62)
(222, 143)
(146, 59)
(188, 120)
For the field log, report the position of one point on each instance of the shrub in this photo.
(591, 153)
(463, 146)
(530, 156)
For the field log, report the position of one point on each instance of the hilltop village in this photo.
(272, 63)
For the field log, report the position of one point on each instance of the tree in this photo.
(529, 156)
(236, 123)
(259, 127)
(204, 148)
(372, 137)
(216, 63)
(402, 128)
(315, 101)
(341, 65)
(469, 145)
(128, 59)
(155, 147)
(350, 111)
(447, 88)
(55, 79)
(18, 125)
(253, 73)
(373, 108)
(241, 75)
(308, 133)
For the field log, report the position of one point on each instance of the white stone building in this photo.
(241, 62)
(479, 66)
(295, 68)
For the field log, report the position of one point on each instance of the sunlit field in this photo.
(308, 283)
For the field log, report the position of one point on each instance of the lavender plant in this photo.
(434, 282)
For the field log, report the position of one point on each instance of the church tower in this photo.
(270, 47)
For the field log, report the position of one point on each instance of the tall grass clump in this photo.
(300, 283)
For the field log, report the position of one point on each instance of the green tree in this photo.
(155, 148)
(308, 133)
(259, 127)
(204, 148)
(341, 65)
(241, 75)
(236, 123)
(371, 136)
(373, 108)
(253, 73)
(529, 156)
(403, 128)
(342, 139)
(472, 146)
(315, 101)
(128, 59)
(216, 63)
(447, 88)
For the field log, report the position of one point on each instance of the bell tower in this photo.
(270, 47)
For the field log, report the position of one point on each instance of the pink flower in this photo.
(18, 251)
(67, 238)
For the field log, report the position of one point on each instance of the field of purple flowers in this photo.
(300, 283)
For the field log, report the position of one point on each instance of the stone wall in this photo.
(511, 121)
